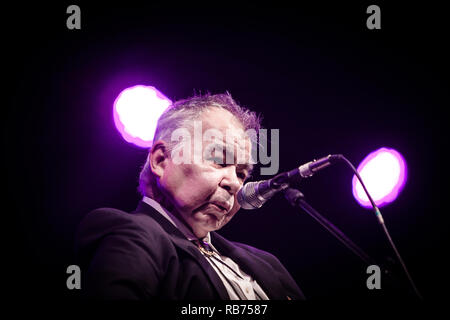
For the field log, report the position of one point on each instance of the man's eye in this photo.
(241, 175)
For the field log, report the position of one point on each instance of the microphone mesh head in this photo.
(248, 198)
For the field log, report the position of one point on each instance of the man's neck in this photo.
(179, 221)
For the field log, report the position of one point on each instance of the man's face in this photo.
(204, 192)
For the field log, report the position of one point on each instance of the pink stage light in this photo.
(136, 112)
(384, 175)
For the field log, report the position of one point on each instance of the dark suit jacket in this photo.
(141, 255)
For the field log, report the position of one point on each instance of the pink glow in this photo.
(136, 112)
(384, 174)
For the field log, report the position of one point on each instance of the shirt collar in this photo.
(174, 220)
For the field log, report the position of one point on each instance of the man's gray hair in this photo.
(183, 112)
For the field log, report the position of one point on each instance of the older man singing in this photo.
(168, 248)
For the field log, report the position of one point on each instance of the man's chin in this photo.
(212, 221)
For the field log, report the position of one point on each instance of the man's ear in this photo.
(158, 158)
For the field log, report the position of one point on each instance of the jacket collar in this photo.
(180, 240)
(171, 218)
(249, 262)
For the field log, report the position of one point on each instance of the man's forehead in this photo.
(221, 125)
(223, 132)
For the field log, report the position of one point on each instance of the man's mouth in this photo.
(216, 208)
(219, 207)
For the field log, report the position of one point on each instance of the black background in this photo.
(314, 71)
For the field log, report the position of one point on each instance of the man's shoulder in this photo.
(255, 251)
(103, 222)
(112, 217)
(267, 256)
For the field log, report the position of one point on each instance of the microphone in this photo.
(254, 194)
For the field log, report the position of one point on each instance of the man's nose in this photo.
(230, 181)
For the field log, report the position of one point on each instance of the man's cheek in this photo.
(227, 218)
(233, 211)
(236, 205)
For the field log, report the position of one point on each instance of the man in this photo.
(168, 247)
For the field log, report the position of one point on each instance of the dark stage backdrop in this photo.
(314, 71)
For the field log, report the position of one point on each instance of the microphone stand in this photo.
(297, 199)
(254, 194)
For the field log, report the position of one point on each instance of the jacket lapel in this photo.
(251, 264)
(184, 244)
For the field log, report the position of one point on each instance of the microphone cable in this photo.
(383, 225)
